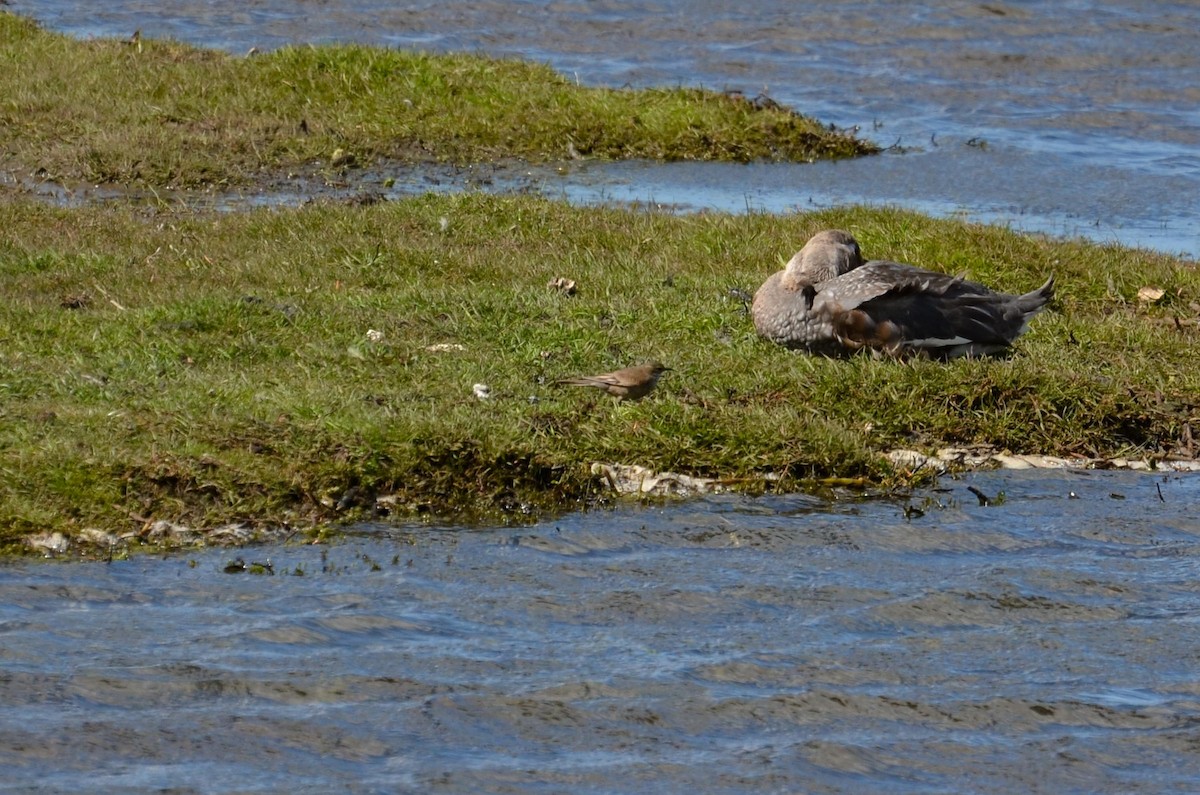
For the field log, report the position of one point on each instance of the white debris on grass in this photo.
(97, 537)
(913, 461)
(162, 530)
(634, 479)
(49, 544)
(232, 534)
(983, 457)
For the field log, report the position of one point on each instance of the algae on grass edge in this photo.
(216, 370)
(173, 115)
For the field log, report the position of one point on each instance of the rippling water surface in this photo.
(1074, 118)
(1044, 643)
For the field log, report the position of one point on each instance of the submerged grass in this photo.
(214, 368)
(161, 113)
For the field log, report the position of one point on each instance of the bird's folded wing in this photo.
(880, 277)
(591, 380)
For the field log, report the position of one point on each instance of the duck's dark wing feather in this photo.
(881, 277)
(899, 307)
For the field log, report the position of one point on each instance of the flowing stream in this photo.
(1046, 642)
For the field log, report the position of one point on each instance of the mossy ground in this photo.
(164, 114)
(209, 368)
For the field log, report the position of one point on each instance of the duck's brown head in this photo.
(826, 255)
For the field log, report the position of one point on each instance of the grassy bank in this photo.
(207, 369)
(160, 113)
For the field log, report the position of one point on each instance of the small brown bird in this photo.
(631, 383)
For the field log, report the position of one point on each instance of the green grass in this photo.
(213, 368)
(164, 114)
(206, 368)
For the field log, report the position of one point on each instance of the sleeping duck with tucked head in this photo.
(827, 300)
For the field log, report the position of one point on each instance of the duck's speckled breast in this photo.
(781, 316)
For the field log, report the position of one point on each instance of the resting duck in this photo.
(827, 300)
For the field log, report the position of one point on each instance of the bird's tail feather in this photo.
(1034, 301)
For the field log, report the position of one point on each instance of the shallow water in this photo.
(1047, 643)
(1073, 118)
